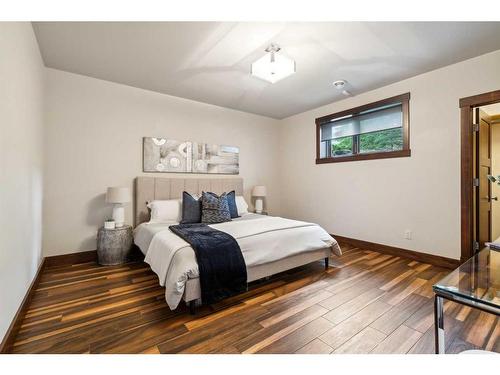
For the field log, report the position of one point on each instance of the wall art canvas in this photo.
(171, 156)
(220, 159)
(166, 155)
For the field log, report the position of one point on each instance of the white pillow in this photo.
(241, 205)
(166, 211)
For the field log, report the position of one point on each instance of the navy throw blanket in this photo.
(223, 272)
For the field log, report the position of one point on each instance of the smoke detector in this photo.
(339, 85)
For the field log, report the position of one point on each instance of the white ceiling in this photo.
(210, 61)
(492, 109)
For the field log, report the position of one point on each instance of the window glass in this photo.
(365, 131)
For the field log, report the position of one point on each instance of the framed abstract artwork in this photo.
(171, 156)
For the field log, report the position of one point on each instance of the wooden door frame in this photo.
(466, 167)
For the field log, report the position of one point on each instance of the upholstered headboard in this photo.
(160, 188)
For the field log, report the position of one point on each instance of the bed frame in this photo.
(159, 188)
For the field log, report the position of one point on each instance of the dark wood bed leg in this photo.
(192, 307)
(326, 263)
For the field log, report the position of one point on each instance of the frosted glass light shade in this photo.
(273, 69)
(259, 191)
(118, 195)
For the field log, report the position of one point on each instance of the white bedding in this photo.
(262, 239)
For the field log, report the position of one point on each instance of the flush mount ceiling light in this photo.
(273, 67)
(339, 85)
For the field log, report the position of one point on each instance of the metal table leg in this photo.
(438, 324)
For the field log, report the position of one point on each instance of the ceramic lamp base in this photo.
(259, 205)
(118, 215)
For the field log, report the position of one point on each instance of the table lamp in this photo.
(118, 196)
(259, 192)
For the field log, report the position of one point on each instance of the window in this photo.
(373, 131)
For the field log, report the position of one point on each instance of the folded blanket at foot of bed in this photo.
(222, 269)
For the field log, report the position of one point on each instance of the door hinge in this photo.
(475, 245)
(475, 182)
(475, 127)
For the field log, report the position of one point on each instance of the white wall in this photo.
(377, 200)
(21, 149)
(95, 130)
(94, 140)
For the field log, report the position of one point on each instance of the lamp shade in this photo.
(118, 195)
(273, 67)
(259, 191)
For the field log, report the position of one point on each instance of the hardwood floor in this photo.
(366, 302)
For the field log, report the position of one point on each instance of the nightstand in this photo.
(114, 245)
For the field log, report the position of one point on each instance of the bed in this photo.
(269, 244)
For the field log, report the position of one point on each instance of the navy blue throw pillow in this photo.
(231, 201)
(191, 209)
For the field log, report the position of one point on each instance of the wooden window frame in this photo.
(405, 152)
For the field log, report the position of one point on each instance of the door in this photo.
(483, 169)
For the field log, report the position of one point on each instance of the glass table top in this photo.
(477, 280)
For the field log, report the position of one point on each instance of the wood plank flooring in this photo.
(366, 302)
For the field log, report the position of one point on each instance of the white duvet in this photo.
(262, 239)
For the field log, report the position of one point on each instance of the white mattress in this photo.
(262, 239)
(144, 233)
